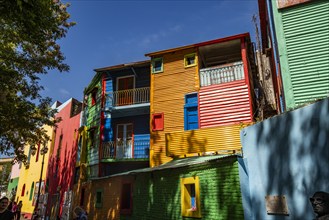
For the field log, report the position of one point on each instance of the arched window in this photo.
(31, 191)
(23, 190)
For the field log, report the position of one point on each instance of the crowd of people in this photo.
(10, 210)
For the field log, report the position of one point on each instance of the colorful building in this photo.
(30, 175)
(205, 187)
(13, 182)
(116, 119)
(62, 159)
(298, 32)
(201, 95)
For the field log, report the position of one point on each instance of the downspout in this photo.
(101, 126)
(276, 55)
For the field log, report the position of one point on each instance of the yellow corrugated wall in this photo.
(168, 90)
(218, 139)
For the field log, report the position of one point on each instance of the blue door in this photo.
(191, 117)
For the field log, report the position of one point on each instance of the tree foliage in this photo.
(29, 34)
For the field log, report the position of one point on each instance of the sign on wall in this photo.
(288, 3)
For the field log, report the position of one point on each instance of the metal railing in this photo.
(128, 97)
(124, 149)
(221, 74)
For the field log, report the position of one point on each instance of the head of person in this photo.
(4, 201)
(320, 203)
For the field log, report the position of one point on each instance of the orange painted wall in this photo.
(111, 197)
(168, 90)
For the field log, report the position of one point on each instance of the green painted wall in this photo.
(13, 183)
(92, 114)
(158, 195)
(302, 33)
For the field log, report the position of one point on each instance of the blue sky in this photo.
(114, 32)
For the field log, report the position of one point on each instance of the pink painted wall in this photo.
(15, 171)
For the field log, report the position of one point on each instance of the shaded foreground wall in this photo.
(287, 155)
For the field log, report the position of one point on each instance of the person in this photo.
(5, 214)
(320, 205)
(14, 208)
(19, 209)
(80, 213)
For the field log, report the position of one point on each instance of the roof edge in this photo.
(219, 40)
(121, 66)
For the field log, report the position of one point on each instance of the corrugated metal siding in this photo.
(204, 140)
(306, 30)
(141, 146)
(93, 114)
(224, 104)
(168, 90)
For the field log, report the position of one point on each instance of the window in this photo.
(126, 198)
(125, 86)
(99, 198)
(38, 151)
(59, 146)
(92, 137)
(157, 65)
(94, 96)
(31, 191)
(190, 60)
(23, 190)
(124, 139)
(82, 196)
(190, 197)
(157, 122)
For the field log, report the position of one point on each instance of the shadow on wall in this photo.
(288, 155)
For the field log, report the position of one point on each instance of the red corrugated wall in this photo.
(224, 104)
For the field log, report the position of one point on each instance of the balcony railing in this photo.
(128, 149)
(221, 74)
(128, 97)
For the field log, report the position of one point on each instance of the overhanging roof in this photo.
(220, 40)
(123, 66)
(174, 164)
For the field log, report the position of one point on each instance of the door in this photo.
(125, 86)
(124, 141)
(192, 118)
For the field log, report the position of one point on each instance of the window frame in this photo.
(153, 64)
(160, 127)
(189, 56)
(186, 198)
(93, 96)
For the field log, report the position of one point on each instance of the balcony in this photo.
(138, 148)
(221, 74)
(127, 97)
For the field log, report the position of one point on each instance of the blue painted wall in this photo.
(286, 155)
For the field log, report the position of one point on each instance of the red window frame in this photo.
(158, 121)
